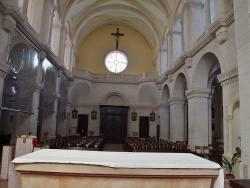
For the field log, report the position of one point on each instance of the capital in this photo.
(198, 92)
(193, 4)
(9, 24)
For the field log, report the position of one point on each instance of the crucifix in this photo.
(117, 35)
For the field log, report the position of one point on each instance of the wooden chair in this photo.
(207, 152)
(198, 151)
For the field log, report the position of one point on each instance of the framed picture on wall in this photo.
(152, 116)
(133, 116)
(93, 114)
(74, 113)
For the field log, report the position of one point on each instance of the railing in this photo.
(84, 74)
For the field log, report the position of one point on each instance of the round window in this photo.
(116, 61)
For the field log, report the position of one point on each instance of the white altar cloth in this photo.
(130, 160)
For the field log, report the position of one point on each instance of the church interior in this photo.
(146, 75)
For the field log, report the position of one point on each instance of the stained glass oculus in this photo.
(116, 61)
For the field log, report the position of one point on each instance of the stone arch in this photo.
(147, 95)
(115, 99)
(80, 93)
(216, 52)
(180, 85)
(165, 94)
(205, 70)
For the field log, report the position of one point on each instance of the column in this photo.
(164, 121)
(221, 8)
(208, 13)
(198, 116)
(229, 120)
(193, 22)
(176, 118)
(62, 43)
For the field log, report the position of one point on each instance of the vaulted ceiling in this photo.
(151, 18)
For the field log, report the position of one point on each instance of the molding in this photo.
(176, 100)
(198, 92)
(228, 77)
(162, 105)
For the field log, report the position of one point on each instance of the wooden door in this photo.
(113, 123)
(82, 124)
(144, 127)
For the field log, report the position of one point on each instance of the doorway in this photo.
(82, 124)
(113, 123)
(144, 127)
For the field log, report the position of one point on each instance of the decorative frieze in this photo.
(9, 23)
(228, 77)
(222, 35)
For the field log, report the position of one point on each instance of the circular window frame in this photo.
(109, 68)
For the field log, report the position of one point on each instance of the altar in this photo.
(99, 169)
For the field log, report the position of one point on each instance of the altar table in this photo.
(99, 169)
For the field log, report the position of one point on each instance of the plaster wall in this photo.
(100, 42)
